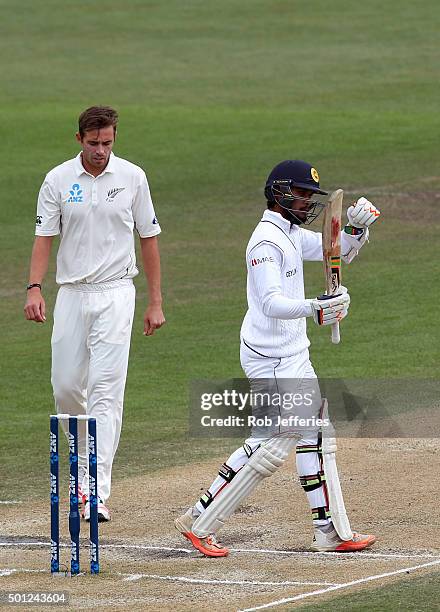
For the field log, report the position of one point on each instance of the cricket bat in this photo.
(331, 249)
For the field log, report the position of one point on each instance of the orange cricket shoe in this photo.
(359, 541)
(208, 545)
(331, 542)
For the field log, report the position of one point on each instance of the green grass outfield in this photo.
(211, 96)
(415, 594)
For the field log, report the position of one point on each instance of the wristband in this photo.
(33, 285)
(353, 231)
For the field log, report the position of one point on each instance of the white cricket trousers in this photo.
(287, 373)
(297, 369)
(90, 347)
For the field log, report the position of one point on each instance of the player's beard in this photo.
(297, 217)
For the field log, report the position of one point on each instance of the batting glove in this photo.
(329, 309)
(362, 214)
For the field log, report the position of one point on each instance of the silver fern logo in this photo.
(112, 193)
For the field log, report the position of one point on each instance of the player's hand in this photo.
(362, 214)
(329, 309)
(153, 319)
(35, 307)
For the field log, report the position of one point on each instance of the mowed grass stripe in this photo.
(210, 99)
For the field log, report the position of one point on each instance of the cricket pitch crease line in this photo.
(8, 571)
(345, 585)
(134, 577)
(296, 553)
(329, 555)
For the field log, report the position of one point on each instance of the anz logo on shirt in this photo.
(76, 194)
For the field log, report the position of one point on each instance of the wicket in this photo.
(74, 516)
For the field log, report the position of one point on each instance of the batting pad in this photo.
(335, 498)
(263, 463)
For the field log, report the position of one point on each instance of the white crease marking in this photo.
(134, 577)
(345, 585)
(296, 553)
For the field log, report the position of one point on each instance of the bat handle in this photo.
(336, 338)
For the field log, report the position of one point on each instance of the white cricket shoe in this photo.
(331, 542)
(103, 512)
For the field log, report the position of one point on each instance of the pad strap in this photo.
(311, 448)
(206, 499)
(226, 472)
(248, 449)
(321, 514)
(312, 481)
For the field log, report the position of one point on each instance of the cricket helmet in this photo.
(287, 175)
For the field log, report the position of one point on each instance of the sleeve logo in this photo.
(39, 220)
(256, 261)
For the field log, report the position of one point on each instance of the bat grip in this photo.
(336, 338)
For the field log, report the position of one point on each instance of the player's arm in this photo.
(48, 225)
(148, 229)
(153, 317)
(264, 263)
(35, 307)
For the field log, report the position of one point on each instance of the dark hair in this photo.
(96, 118)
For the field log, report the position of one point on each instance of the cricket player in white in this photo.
(94, 202)
(274, 347)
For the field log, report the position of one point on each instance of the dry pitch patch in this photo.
(146, 563)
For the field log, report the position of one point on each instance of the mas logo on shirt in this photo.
(76, 194)
(112, 193)
(256, 261)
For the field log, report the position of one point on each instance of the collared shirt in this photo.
(275, 323)
(95, 218)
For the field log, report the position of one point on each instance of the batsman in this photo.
(274, 356)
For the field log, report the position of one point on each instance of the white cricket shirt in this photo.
(95, 217)
(275, 324)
